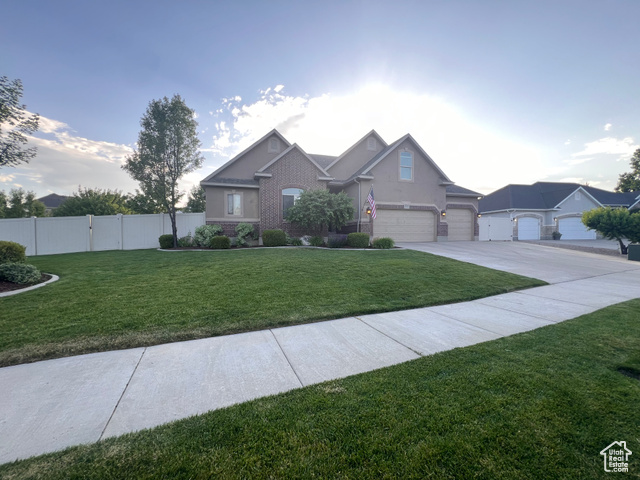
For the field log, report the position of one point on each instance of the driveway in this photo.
(553, 265)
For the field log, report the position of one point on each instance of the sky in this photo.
(497, 92)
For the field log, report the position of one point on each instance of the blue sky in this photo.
(495, 91)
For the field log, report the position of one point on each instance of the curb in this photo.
(54, 278)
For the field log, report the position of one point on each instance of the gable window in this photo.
(371, 143)
(406, 166)
(234, 204)
(274, 145)
(289, 197)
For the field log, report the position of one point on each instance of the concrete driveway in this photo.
(47, 406)
(553, 265)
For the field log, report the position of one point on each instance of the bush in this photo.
(274, 238)
(358, 240)
(186, 241)
(316, 241)
(556, 235)
(166, 241)
(243, 231)
(337, 241)
(220, 241)
(12, 252)
(204, 234)
(296, 242)
(384, 242)
(21, 273)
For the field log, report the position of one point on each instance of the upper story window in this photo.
(406, 166)
(234, 204)
(273, 146)
(372, 144)
(289, 198)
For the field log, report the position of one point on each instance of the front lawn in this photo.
(539, 405)
(112, 300)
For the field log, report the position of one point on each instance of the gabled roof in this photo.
(295, 146)
(323, 160)
(547, 196)
(53, 200)
(350, 149)
(455, 190)
(246, 150)
(366, 168)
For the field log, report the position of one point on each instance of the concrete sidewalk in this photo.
(47, 406)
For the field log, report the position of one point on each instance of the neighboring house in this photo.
(538, 210)
(415, 200)
(52, 201)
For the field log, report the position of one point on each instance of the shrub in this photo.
(186, 241)
(21, 273)
(204, 234)
(274, 238)
(12, 252)
(556, 235)
(337, 241)
(296, 242)
(166, 240)
(316, 241)
(358, 240)
(220, 241)
(384, 242)
(243, 231)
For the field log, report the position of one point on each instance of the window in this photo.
(274, 145)
(289, 198)
(234, 204)
(371, 143)
(406, 166)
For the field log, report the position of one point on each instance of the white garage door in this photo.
(573, 229)
(460, 221)
(528, 228)
(405, 225)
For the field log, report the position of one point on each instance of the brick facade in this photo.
(293, 170)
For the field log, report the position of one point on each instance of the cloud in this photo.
(471, 155)
(622, 148)
(607, 127)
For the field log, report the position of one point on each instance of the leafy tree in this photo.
(90, 201)
(167, 149)
(143, 204)
(316, 209)
(630, 182)
(197, 201)
(615, 224)
(20, 204)
(16, 124)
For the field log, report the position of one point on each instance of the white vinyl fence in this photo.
(45, 236)
(495, 229)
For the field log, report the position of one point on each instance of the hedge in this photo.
(358, 240)
(274, 238)
(220, 241)
(12, 252)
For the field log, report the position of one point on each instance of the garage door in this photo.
(573, 229)
(405, 225)
(460, 221)
(528, 228)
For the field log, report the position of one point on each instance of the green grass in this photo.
(539, 405)
(112, 300)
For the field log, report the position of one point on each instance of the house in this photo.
(415, 200)
(52, 201)
(538, 210)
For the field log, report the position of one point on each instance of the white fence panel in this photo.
(141, 231)
(106, 233)
(495, 229)
(63, 235)
(20, 230)
(186, 223)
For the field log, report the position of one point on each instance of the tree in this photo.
(197, 201)
(142, 204)
(20, 204)
(90, 201)
(630, 182)
(167, 150)
(16, 124)
(316, 209)
(615, 224)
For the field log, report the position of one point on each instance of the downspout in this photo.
(359, 205)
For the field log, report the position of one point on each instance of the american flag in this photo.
(372, 202)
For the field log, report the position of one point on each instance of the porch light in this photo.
(443, 213)
(479, 215)
(368, 210)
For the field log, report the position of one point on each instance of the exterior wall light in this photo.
(444, 213)
(368, 210)
(479, 215)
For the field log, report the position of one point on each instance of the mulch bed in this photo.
(9, 286)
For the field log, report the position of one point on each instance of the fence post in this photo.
(34, 235)
(121, 230)
(90, 237)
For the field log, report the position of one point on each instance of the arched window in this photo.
(289, 197)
